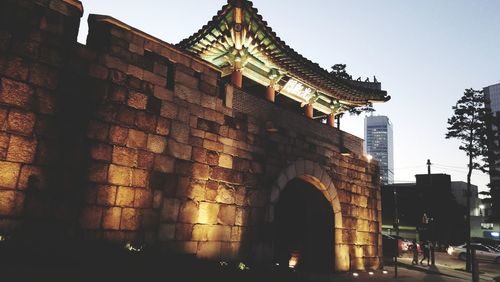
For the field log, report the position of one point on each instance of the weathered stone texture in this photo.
(164, 154)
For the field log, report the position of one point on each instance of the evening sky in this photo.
(424, 52)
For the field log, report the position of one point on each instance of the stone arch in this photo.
(314, 174)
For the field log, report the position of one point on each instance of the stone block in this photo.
(213, 145)
(169, 110)
(183, 231)
(157, 199)
(225, 194)
(200, 232)
(9, 173)
(188, 94)
(17, 68)
(137, 100)
(143, 198)
(21, 122)
(242, 216)
(199, 155)
(209, 102)
(219, 233)
(240, 195)
(145, 159)
(30, 177)
(106, 195)
(21, 149)
(226, 175)
(179, 150)
(212, 158)
(225, 161)
(163, 93)
(164, 163)
(227, 215)
(135, 71)
(200, 171)
(179, 132)
(125, 197)
(156, 143)
(166, 232)
(160, 68)
(155, 79)
(111, 218)
(140, 178)
(211, 190)
(126, 115)
(119, 175)
(98, 173)
(170, 210)
(43, 76)
(130, 219)
(7, 202)
(101, 152)
(15, 93)
(193, 189)
(125, 156)
(209, 250)
(118, 135)
(137, 139)
(113, 63)
(188, 212)
(146, 121)
(245, 166)
(91, 217)
(186, 78)
(208, 213)
(163, 126)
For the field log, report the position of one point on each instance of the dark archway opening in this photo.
(304, 225)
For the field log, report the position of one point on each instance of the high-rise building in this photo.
(492, 94)
(379, 144)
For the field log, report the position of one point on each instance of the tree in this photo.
(469, 125)
(339, 70)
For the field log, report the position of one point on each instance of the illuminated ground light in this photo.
(355, 274)
(294, 259)
(385, 271)
(370, 273)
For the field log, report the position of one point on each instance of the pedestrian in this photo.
(415, 252)
(425, 251)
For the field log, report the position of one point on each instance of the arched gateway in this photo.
(294, 207)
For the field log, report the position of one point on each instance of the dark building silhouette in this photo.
(430, 195)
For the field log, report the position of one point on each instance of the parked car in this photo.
(405, 245)
(482, 252)
(389, 244)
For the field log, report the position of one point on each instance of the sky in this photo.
(425, 53)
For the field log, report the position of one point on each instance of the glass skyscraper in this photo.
(379, 144)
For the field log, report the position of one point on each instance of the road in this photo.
(443, 259)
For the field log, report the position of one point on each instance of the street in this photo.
(443, 259)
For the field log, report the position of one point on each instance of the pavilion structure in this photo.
(239, 42)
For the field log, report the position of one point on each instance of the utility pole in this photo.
(431, 226)
(396, 226)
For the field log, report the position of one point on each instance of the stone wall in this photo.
(130, 139)
(35, 43)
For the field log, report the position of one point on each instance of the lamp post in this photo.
(396, 227)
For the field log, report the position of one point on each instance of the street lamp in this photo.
(396, 227)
